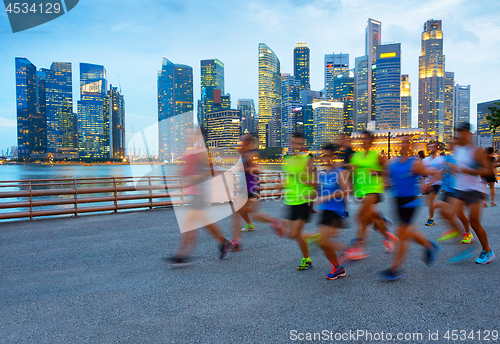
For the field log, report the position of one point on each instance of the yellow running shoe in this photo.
(467, 238)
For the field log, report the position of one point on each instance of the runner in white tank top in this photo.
(470, 166)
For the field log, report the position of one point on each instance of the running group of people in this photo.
(459, 177)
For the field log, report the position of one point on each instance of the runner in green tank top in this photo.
(368, 180)
(298, 191)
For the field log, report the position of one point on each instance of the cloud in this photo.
(7, 122)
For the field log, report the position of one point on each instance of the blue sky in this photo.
(130, 38)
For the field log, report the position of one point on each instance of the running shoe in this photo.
(226, 249)
(431, 254)
(390, 244)
(485, 257)
(237, 247)
(305, 264)
(430, 222)
(449, 234)
(493, 204)
(467, 238)
(337, 271)
(312, 211)
(464, 255)
(356, 253)
(485, 205)
(248, 228)
(314, 239)
(389, 275)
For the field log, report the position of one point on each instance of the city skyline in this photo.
(136, 63)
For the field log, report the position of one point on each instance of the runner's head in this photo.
(463, 133)
(405, 145)
(433, 147)
(297, 142)
(345, 140)
(366, 139)
(421, 154)
(328, 154)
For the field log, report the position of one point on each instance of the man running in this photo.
(492, 180)
(250, 157)
(448, 197)
(403, 173)
(196, 171)
(433, 184)
(470, 166)
(368, 184)
(298, 191)
(332, 191)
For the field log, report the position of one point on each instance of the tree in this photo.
(494, 117)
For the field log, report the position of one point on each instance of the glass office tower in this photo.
(431, 82)
(269, 89)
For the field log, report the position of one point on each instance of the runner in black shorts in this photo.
(403, 172)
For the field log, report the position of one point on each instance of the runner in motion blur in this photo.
(470, 166)
(298, 191)
(433, 183)
(403, 173)
(368, 185)
(196, 171)
(492, 180)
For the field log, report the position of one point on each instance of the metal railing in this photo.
(30, 199)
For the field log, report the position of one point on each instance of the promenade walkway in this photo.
(101, 279)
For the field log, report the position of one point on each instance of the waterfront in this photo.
(63, 171)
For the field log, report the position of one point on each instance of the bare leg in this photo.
(475, 223)
(327, 246)
(405, 233)
(492, 193)
(295, 234)
(431, 197)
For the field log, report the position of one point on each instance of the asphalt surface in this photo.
(101, 279)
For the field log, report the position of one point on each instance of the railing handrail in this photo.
(66, 196)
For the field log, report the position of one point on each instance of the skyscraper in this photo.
(212, 78)
(388, 86)
(247, 110)
(328, 120)
(361, 91)
(373, 38)
(31, 126)
(269, 89)
(117, 117)
(223, 132)
(335, 64)
(449, 89)
(93, 113)
(483, 125)
(59, 111)
(461, 103)
(301, 65)
(405, 102)
(290, 100)
(431, 83)
(344, 92)
(175, 106)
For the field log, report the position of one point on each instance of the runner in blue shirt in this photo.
(403, 173)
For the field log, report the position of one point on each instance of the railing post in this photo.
(150, 194)
(31, 201)
(116, 195)
(76, 196)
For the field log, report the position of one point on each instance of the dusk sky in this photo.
(130, 38)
